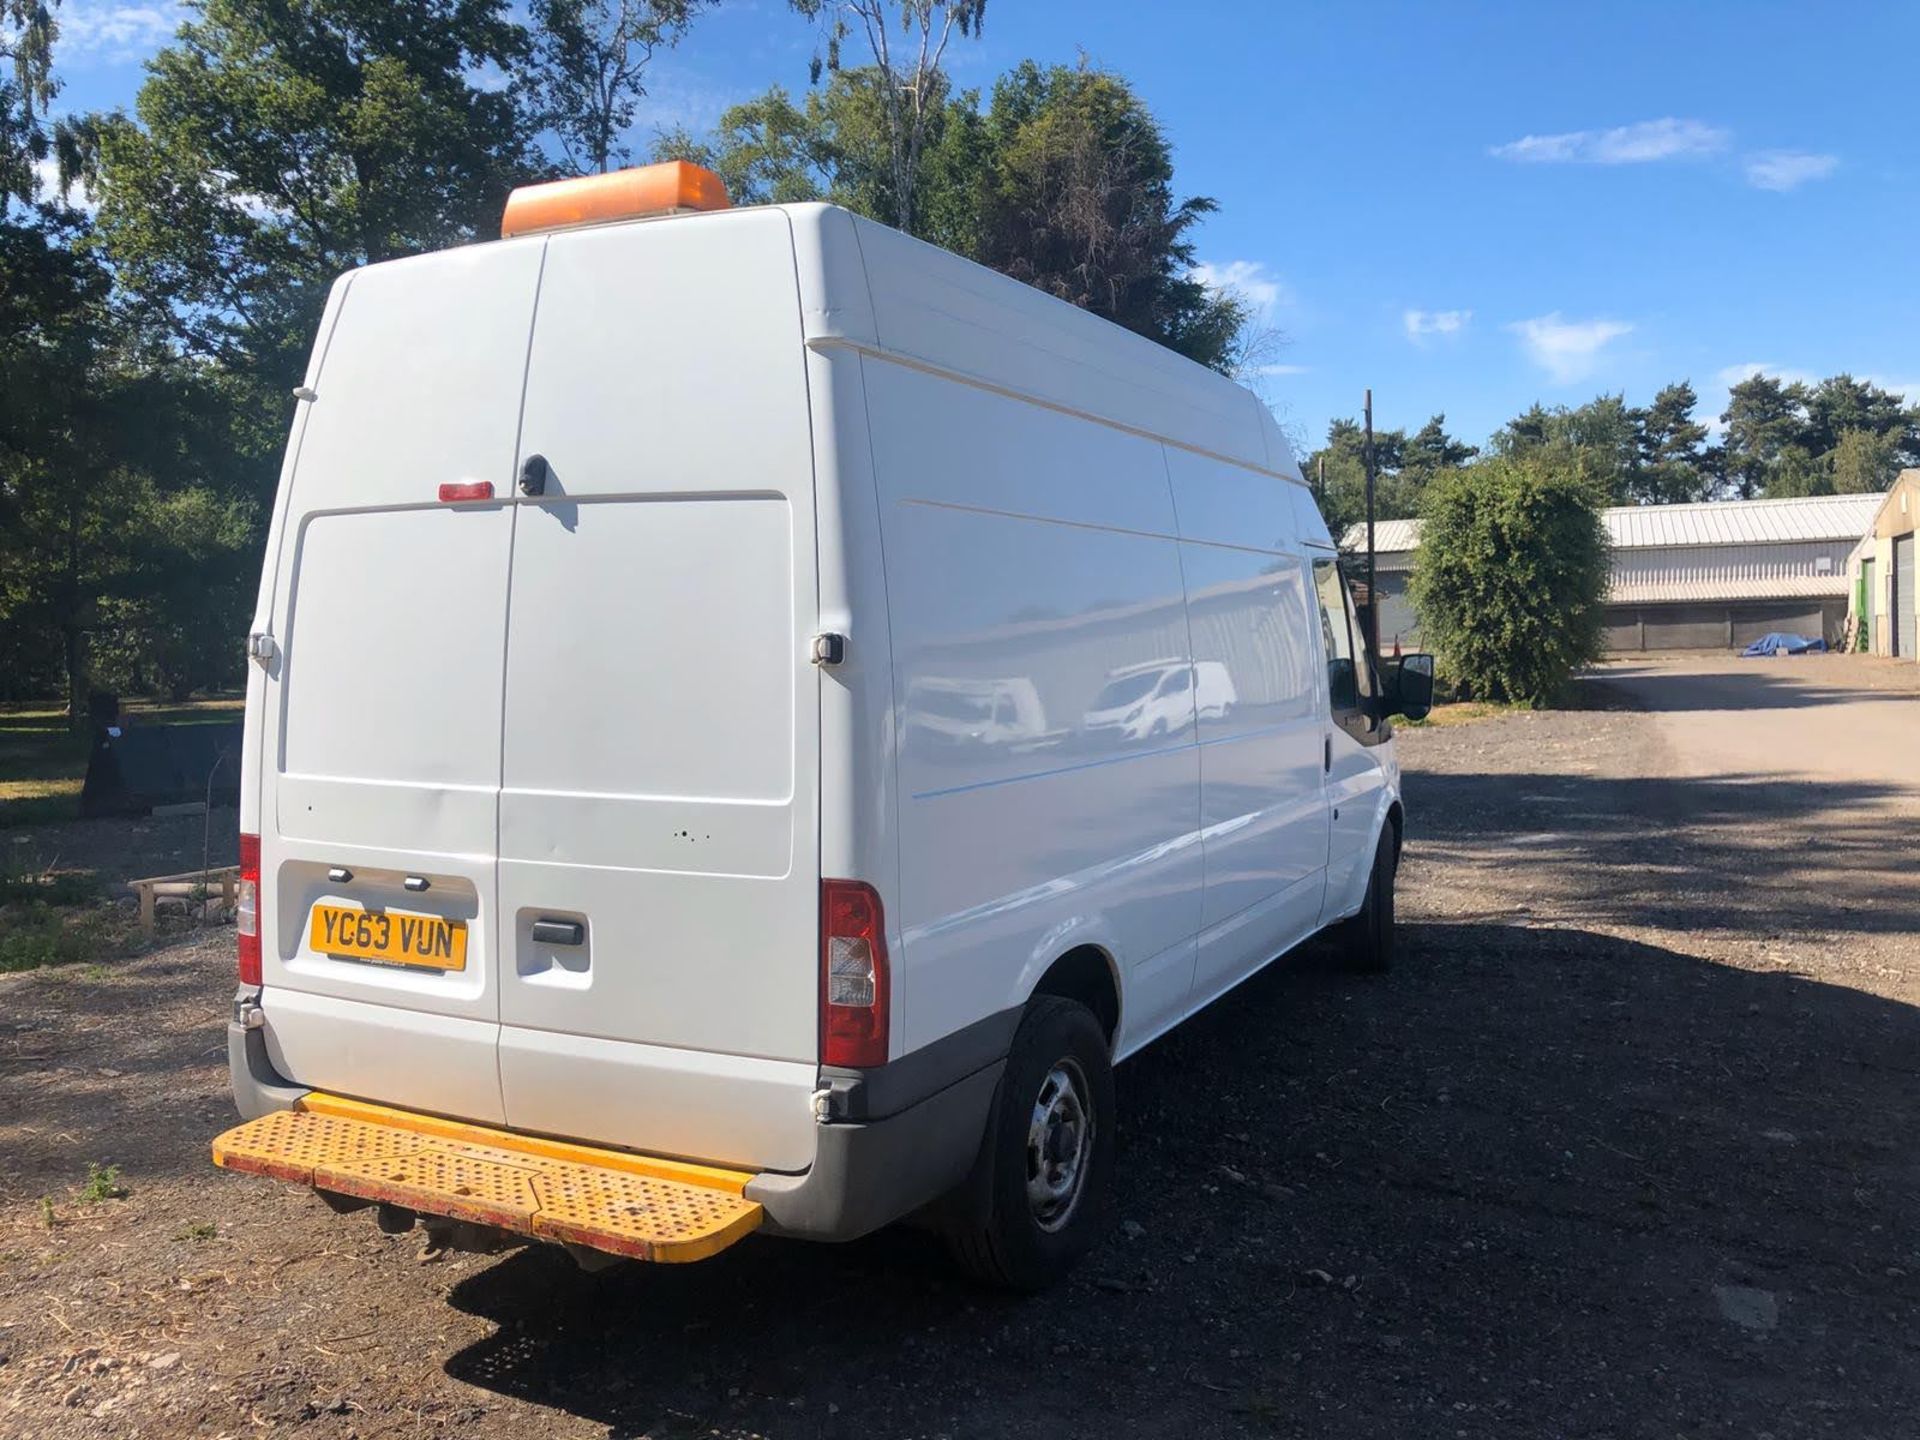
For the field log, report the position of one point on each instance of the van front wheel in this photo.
(1052, 1151)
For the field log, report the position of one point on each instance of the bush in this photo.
(1511, 577)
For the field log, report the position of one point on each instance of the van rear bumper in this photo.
(258, 1089)
(897, 1138)
(867, 1171)
(868, 1174)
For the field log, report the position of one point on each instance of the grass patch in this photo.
(1461, 712)
(42, 766)
(194, 1234)
(103, 1184)
(60, 919)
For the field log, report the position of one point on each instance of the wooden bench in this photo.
(192, 885)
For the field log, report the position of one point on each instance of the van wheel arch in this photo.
(1087, 974)
(1396, 818)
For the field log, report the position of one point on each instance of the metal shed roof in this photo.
(1716, 522)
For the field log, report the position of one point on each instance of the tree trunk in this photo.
(78, 682)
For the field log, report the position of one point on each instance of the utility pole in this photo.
(1373, 606)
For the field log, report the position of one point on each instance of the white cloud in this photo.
(1420, 324)
(116, 32)
(1249, 279)
(1649, 140)
(1568, 350)
(1265, 370)
(1788, 169)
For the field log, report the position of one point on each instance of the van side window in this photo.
(1349, 676)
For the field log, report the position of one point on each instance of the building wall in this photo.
(1700, 568)
(1898, 516)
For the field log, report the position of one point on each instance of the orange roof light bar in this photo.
(663, 189)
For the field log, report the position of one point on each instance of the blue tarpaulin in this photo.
(1777, 643)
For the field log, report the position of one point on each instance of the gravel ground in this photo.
(1624, 1146)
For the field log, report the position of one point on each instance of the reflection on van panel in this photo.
(956, 711)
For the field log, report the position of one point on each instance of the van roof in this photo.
(873, 288)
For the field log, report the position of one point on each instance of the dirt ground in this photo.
(1624, 1146)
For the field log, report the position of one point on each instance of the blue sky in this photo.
(1466, 206)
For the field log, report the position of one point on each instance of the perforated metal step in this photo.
(632, 1205)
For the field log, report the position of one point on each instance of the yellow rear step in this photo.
(633, 1205)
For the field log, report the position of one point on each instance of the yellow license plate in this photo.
(426, 941)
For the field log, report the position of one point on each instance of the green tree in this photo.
(1081, 205)
(1840, 404)
(591, 59)
(1602, 439)
(279, 144)
(905, 41)
(1671, 468)
(1430, 449)
(1064, 182)
(1763, 453)
(27, 88)
(1863, 462)
(1337, 474)
(1510, 582)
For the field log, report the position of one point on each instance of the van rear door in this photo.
(659, 868)
(381, 735)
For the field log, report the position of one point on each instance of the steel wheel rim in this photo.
(1060, 1134)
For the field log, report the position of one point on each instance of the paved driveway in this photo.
(1847, 718)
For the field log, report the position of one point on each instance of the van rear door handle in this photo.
(558, 932)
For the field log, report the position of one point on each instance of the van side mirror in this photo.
(1409, 686)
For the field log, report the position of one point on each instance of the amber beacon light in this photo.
(665, 189)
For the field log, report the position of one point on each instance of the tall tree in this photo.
(1430, 449)
(1863, 462)
(1840, 404)
(1765, 421)
(280, 144)
(1671, 456)
(1081, 205)
(1337, 474)
(1065, 182)
(27, 88)
(591, 58)
(905, 40)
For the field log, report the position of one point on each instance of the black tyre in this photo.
(1366, 940)
(1051, 1142)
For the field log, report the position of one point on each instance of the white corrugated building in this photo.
(1688, 577)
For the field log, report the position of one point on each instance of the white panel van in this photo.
(751, 703)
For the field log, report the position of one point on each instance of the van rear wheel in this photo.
(1052, 1151)
(1366, 940)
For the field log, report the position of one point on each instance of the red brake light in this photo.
(471, 490)
(246, 910)
(853, 975)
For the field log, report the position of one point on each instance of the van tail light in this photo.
(469, 490)
(853, 975)
(246, 910)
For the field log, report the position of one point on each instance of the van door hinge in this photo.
(829, 648)
(262, 647)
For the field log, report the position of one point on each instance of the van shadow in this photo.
(1535, 1181)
